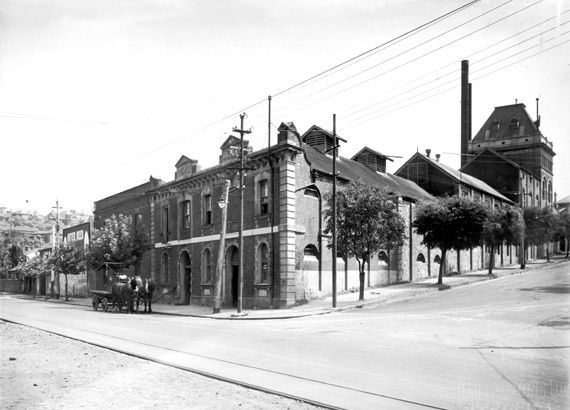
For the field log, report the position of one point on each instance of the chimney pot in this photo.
(437, 157)
(428, 152)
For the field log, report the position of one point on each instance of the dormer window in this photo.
(514, 124)
(321, 140)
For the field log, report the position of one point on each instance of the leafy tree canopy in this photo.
(68, 260)
(540, 225)
(118, 241)
(367, 221)
(450, 223)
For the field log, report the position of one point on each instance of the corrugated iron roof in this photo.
(355, 171)
(465, 178)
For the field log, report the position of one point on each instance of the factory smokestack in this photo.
(465, 110)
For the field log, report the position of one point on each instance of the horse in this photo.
(124, 293)
(144, 291)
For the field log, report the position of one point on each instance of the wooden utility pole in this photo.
(334, 248)
(241, 169)
(55, 245)
(223, 203)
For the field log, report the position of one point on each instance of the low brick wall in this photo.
(11, 285)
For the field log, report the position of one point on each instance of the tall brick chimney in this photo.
(465, 111)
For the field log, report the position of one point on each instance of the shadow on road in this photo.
(559, 322)
(562, 288)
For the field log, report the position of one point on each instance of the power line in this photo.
(453, 87)
(416, 29)
(385, 101)
(409, 61)
(393, 40)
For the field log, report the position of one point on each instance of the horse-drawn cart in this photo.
(121, 292)
(100, 297)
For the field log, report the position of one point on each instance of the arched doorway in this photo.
(232, 277)
(185, 278)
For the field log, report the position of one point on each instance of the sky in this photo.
(98, 95)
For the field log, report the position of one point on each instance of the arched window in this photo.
(311, 192)
(544, 189)
(382, 258)
(262, 263)
(310, 254)
(421, 258)
(549, 191)
(206, 266)
(164, 269)
(437, 259)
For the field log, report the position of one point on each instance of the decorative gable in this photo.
(231, 147)
(185, 167)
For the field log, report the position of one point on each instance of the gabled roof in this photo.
(351, 170)
(461, 177)
(324, 131)
(287, 126)
(233, 140)
(184, 160)
(365, 149)
(564, 201)
(503, 116)
(501, 157)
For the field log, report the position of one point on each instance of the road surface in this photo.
(497, 344)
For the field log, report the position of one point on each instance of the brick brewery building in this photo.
(286, 259)
(508, 161)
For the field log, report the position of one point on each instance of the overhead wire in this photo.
(407, 62)
(388, 100)
(196, 131)
(379, 47)
(454, 71)
(454, 87)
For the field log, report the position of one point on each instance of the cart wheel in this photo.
(105, 304)
(95, 302)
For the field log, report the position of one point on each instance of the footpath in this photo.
(345, 300)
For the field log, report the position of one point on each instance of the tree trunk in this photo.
(66, 296)
(388, 256)
(491, 259)
(441, 266)
(567, 247)
(362, 276)
(548, 252)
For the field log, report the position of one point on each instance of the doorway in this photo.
(185, 278)
(232, 279)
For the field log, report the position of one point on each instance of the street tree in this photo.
(119, 240)
(450, 223)
(367, 221)
(5, 261)
(503, 225)
(68, 259)
(16, 255)
(32, 268)
(540, 227)
(563, 230)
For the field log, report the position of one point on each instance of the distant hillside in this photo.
(31, 230)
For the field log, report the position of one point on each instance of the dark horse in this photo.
(123, 294)
(144, 290)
